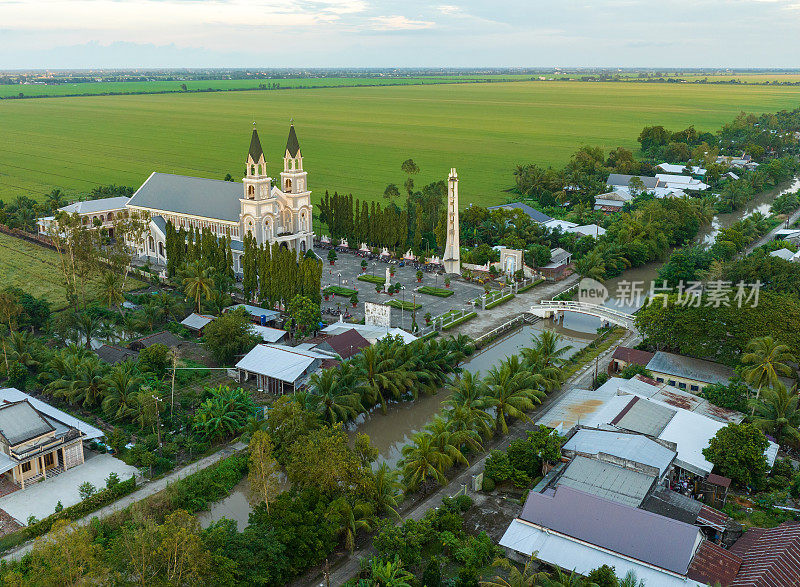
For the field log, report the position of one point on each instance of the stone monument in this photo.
(388, 281)
(452, 250)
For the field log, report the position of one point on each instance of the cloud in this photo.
(449, 9)
(399, 23)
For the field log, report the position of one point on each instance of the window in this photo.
(660, 379)
(251, 192)
(671, 382)
(26, 467)
(48, 460)
(681, 385)
(694, 388)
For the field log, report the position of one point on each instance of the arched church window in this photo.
(288, 186)
(152, 243)
(252, 170)
(267, 230)
(161, 248)
(251, 192)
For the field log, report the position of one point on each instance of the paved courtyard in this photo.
(348, 268)
(40, 499)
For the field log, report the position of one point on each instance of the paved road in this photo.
(771, 234)
(146, 490)
(582, 379)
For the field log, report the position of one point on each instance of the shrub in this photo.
(86, 490)
(502, 300)
(488, 484)
(154, 359)
(59, 506)
(408, 306)
(372, 279)
(335, 290)
(600, 379)
(439, 292)
(633, 369)
(112, 480)
(31, 521)
(498, 467)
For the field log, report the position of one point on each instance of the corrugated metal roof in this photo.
(197, 321)
(572, 555)
(279, 362)
(534, 214)
(268, 334)
(630, 531)
(632, 447)
(634, 356)
(255, 311)
(644, 417)
(770, 557)
(606, 480)
(576, 406)
(665, 502)
(95, 206)
(208, 198)
(11, 394)
(619, 179)
(690, 368)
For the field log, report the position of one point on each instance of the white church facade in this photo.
(272, 213)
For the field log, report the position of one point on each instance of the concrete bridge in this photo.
(550, 308)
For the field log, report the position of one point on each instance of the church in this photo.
(270, 213)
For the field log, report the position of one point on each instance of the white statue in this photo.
(387, 283)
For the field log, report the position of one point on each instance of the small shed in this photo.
(164, 337)
(197, 322)
(262, 316)
(279, 369)
(113, 355)
(346, 344)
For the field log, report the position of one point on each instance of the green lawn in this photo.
(439, 292)
(401, 305)
(353, 139)
(34, 269)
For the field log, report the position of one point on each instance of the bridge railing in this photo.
(567, 305)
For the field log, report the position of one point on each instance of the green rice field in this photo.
(34, 269)
(353, 138)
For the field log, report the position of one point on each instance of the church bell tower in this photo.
(256, 203)
(293, 178)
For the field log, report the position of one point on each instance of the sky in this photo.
(413, 33)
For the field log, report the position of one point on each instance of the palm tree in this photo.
(122, 382)
(381, 377)
(390, 573)
(387, 489)
(88, 385)
(546, 358)
(197, 283)
(512, 392)
(466, 406)
(21, 348)
(777, 412)
(591, 265)
(527, 577)
(451, 442)
(768, 359)
(86, 324)
(171, 307)
(111, 290)
(353, 518)
(337, 402)
(422, 461)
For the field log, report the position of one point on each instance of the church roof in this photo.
(208, 198)
(292, 144)
(256, 152)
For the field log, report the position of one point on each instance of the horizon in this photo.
(107, 34)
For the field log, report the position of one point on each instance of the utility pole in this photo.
(158, 421)
(326, 570)
(174, 365)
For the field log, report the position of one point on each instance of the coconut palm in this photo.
(336, 401)
(466, 406)
(360, 516)
(527, 577)
(88, 385)
(777, 412)
(546, 358)
(390, 573)
(381, 377)
(423, 461)
(387, 489)
(767, 359)
(171, 306)
(121, 383)
(111, 290)
(452, 442)
(512, 392)
(197, 283)
(21, 347)
(592, 265)
(86, 324)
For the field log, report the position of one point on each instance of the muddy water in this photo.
(391, 432)
(236, 506)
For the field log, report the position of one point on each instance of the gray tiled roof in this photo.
(534, 214)
(607, 480)
(20, 422)
(209, 198)
(100, 205)
(619, 179)
(689, 368)
(629, 531)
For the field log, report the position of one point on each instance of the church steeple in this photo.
(292, 144)
(256, 164)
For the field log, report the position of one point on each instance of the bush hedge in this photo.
(336, 290)
(399, 304)
(502, 300)
(464, 318)
(372, 279)
(530, 285)
(439, 292)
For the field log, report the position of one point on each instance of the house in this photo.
(197, 322)
(101, 213)
(687, 372)
(730, 175)
(768, 556)
(113, 355)
(533, 213)
(37, 440)
(279, 369)
(676, 168)
(562, 225)
(681, 182)
(344, 345)
(272, 213)
(743, 161)
(612, 201)
(788, 234)
(576, 530)
(268, 334)
(559, 265)
(624, 356)
(260, 316)
(621, 180)
(786, 255)
(371, 332)
(164, 337)
(592, 230)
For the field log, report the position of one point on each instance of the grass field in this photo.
(99, 88)
(353, 139)
(34, 269)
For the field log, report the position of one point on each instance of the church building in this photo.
(270, 213)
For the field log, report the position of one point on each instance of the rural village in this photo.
(260, 379)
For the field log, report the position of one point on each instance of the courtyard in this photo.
(345, 273)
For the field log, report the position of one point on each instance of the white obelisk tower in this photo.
(452, 250)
